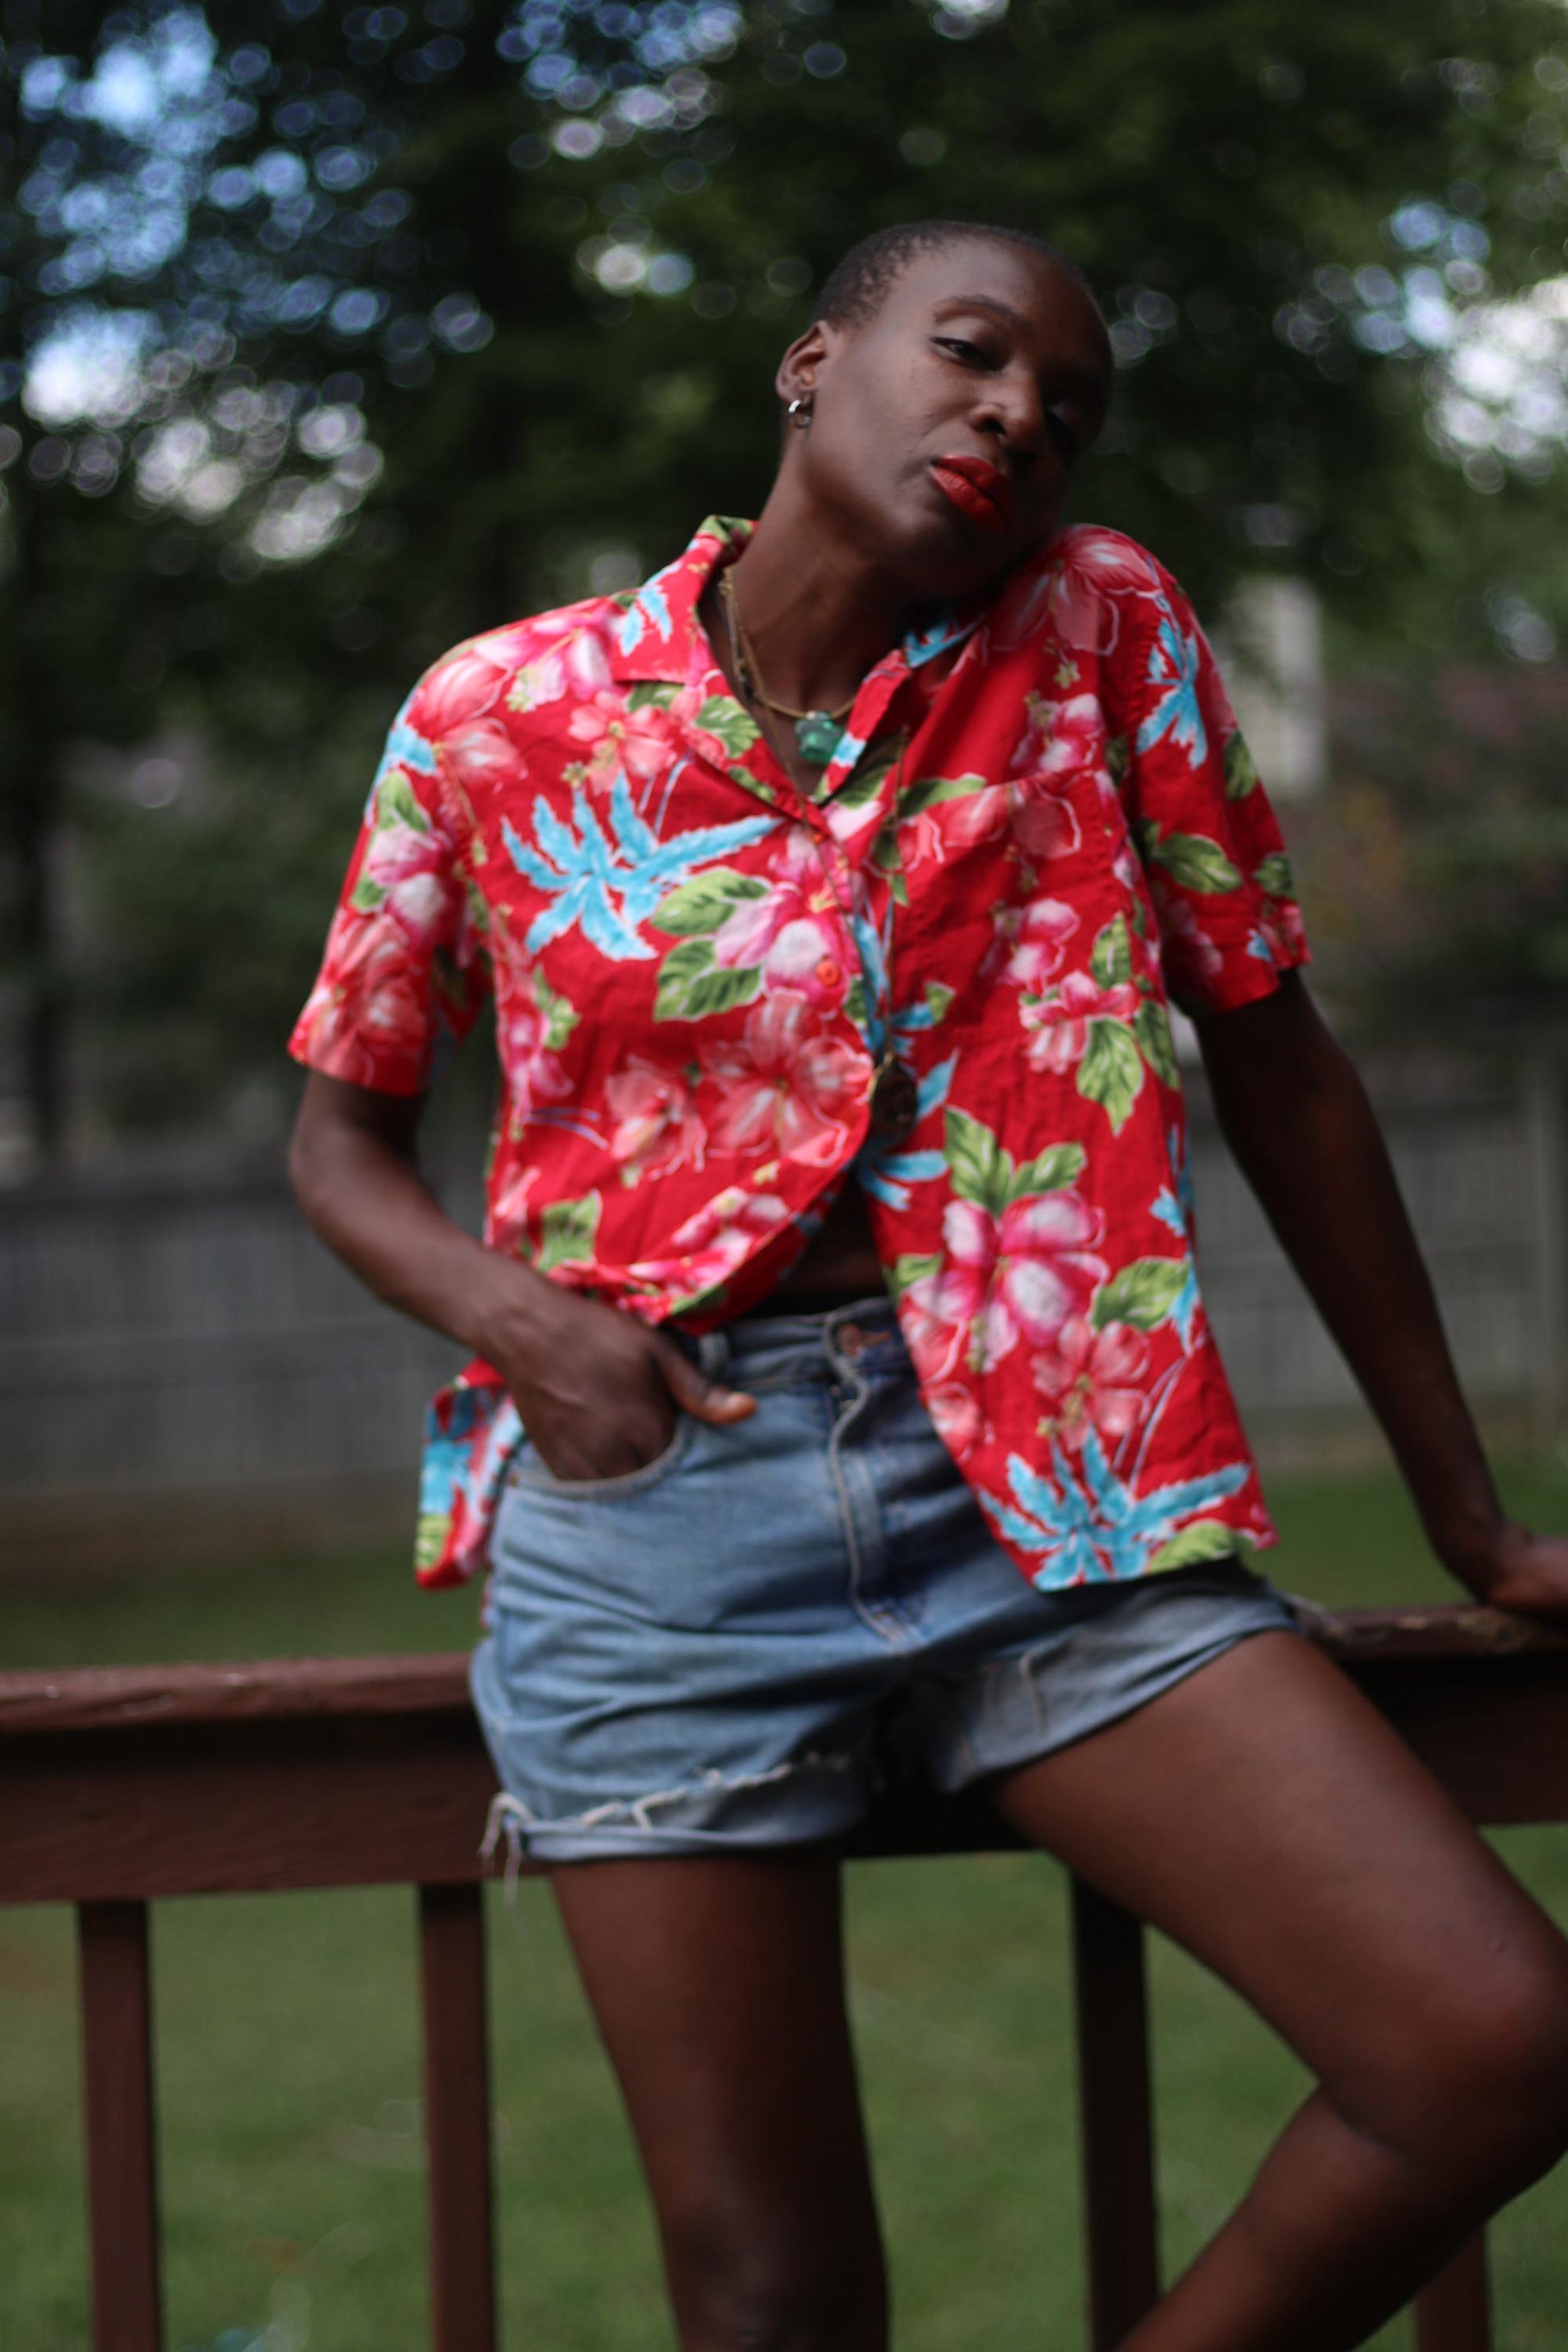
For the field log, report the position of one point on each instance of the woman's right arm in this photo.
(598, 1391)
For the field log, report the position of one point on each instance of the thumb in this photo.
(697, 1394)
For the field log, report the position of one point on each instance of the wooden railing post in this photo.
(457, 2119)
(1115, 2116)
(122, 2160)
(1454, 2313)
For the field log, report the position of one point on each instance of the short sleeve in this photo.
(404, 970)
(1210, 843)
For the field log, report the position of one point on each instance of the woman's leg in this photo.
(1264, 1815)
(717, 1986)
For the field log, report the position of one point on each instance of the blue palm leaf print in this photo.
(649, 606)
(405, 749)
(1174, 661)
(606, 883)
(1089, 1525)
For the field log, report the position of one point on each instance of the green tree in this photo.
(344, 333)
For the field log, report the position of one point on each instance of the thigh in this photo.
(717, 1986)
(1264, 1814)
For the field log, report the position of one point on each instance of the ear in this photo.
(797, 369)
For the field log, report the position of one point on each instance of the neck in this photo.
(818, 612)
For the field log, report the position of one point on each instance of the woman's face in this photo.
(945, 429)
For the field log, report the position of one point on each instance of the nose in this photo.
(1009, 410)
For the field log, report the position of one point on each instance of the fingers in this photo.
(692, 1390)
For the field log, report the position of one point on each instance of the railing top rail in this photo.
(276, 1690)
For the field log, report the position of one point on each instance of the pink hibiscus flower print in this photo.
(413, 869)
(1079, 588)
(368, 1009)
(1058, 1021)
(1087, 1380)
(482, 752)
(462, 686)
(1191, 956)
(657, 1126)
(793, 932)
(784, 1085)
(709, 1246)
(568, 659)
(1035, 938)
(1019, 1276)
(533, 1074)
(958, 1418)
(641, 741)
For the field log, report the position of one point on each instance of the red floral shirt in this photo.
(1039, 821)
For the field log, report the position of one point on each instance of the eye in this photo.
(968, 354)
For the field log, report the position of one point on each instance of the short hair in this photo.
(856, 289)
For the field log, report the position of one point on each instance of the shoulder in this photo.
(1088, 589)
(506, 672)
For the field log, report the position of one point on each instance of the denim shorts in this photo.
(718, 1651)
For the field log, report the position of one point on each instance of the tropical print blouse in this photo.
(1040, 825)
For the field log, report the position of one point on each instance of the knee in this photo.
(1485, 2089)
(762, 2297)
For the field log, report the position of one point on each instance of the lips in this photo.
(976, 488)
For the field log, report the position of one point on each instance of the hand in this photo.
(1520, 1570)
(598, 1392)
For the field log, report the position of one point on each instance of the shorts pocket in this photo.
(531, 1471)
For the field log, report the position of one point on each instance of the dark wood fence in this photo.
(120, 1786)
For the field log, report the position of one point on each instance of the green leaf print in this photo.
(1111, 1070)
(979, 1170)
(1241, 776)
(906, 1271)
(1151, 1028)
(929, 791)
(1111, 959)
(561, 1015)
(870, 771)
(655, 693)
(1204, 1540)
(854, 1000)
(691, 986)
(367, 895)
(567, 1229)
(1060, 1166)
(722, 716)
(1196, 863)
(704, 902)
(1116, 756)
(1274, 876)
(1142, 1294)
(939, 997)
(396, 803)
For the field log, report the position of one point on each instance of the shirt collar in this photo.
(660, 634)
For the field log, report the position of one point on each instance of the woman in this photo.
(838, 1267)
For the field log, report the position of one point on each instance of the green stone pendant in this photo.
(817, 734)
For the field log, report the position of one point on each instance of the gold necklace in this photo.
(816, 732)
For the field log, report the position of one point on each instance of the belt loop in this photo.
(714, 1354)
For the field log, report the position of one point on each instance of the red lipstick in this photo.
(976, 488)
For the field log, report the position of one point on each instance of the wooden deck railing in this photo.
(120, 1786)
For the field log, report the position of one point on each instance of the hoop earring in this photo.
(799, 410)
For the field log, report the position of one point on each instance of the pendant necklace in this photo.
(816, 732)
(895, 1089)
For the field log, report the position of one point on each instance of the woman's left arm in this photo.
(1295, 1115)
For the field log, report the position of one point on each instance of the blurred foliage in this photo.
(1438, 864)
(346, 332)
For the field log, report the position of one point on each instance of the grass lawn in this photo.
(289, 2062)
